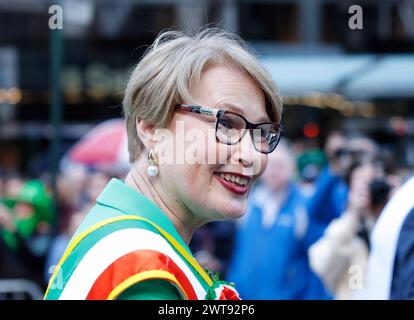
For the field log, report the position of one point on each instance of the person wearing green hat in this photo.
(22, 219)
(310, 163)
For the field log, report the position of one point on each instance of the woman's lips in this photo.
(233, 187)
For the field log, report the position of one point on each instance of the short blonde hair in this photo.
(173, 65)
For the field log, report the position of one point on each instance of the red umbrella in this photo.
(104, 146)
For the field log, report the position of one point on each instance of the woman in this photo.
(188, 104)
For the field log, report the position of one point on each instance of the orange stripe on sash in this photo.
(138, 266)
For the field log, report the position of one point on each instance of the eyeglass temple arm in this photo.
(198, 109)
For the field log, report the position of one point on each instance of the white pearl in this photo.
(152, 170)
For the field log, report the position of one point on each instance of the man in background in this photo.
(270, 256)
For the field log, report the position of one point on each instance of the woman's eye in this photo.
(226, 123)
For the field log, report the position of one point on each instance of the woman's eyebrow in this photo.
(237, 109)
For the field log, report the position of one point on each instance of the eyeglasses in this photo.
(231, 127)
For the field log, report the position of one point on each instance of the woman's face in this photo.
(200, 182)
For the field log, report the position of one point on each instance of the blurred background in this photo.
(59, 88)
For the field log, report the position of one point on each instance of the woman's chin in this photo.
(234, 215)
(227, 205)
(233, 210)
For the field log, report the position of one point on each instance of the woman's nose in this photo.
(246, 153)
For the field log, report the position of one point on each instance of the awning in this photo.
(355, 76)
(393, 76)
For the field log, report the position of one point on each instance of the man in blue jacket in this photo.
(270, 256)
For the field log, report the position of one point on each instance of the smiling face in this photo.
(214, 190)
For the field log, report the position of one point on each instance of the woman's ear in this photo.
(146, 133)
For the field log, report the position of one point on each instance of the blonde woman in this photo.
(201, 116)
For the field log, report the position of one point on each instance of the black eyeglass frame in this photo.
(217, 113)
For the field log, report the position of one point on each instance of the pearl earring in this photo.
(152, 169)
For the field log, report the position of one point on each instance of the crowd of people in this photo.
(307, 232)
(34, 229)
(309, 236)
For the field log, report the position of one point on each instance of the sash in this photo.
(114, 254)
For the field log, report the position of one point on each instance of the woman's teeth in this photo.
(234, 179)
